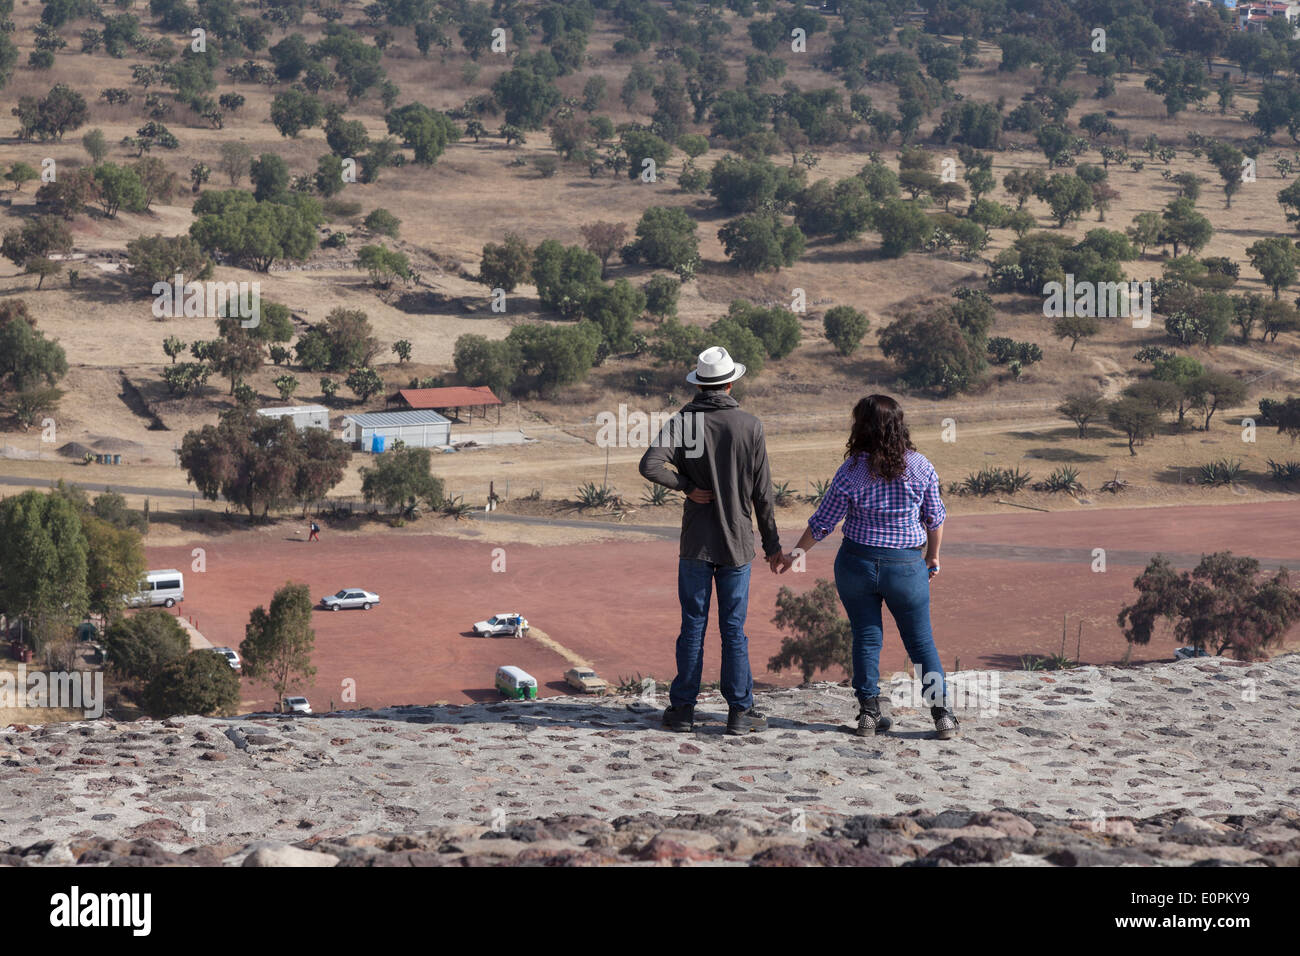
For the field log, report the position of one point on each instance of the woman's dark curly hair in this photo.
(880, 433)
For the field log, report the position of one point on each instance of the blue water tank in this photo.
(377, 443)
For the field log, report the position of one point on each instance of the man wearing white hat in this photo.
(719, 462)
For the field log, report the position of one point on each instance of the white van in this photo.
(160, 588)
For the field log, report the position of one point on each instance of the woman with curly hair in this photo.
(887, 494)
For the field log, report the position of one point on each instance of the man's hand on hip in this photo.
(701, 496)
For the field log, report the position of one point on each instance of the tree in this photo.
(821, 637)
(481, 361)
(1227, 160)
(425, 131)
(1145, 231)
(761, 242)
(31, 245)
(119, 186)
(554, 355)
(1222, 605)
(344, 341)
(20, 173)
(661, 294)
(1082, 408)
(235, 161)
(159, 183)
(1179, 81)
(364, 383)
(278, 644)
(233, 223)
(383, 222)
(141, 645)
(1180, 371)
(401, 476)
(565, 277)
(269, 174)
(1183, 226)
(27, 358)
(603, 239)
(903, 227)
(1210, 391)
(1075, 327)
(666, 239)
(1136, 418)
(95, 145)
(615, 309)
(402, 349)
(640, 145)
(199, 683)
(251, 461)
(383, 264)
(933, 352)
(845, 326)
(1068, 196)
(43, 555)
(1276, 260)
(525, 96)
(504, 266)
(294, 111)
(159, 258)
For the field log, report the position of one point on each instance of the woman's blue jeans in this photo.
(865, 576)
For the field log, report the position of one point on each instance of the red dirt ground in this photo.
(615, 603)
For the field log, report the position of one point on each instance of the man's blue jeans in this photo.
(694, 589)
(865, 576)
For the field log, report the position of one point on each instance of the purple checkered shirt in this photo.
(878, 513)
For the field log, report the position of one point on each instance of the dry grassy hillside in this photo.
(473, 196)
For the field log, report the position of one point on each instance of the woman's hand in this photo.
(933, 565)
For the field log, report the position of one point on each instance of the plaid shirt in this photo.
(881, 514)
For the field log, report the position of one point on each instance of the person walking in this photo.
(887, 495)
(315, 532)
(718, 459)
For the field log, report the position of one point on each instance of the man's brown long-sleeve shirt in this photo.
(712, 444)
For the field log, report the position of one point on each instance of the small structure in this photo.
(303, 416)
(376, 431)
(451, 399)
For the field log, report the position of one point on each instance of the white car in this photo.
(231, 657)
(498, 625)
(296, 705)
(349, 597)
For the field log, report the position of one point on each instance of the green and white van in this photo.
(516, 683)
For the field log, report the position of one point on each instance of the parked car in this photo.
(516, 683)
(231, 657)
(296, 705)
(1187, 653)
(585, 680)
(349, 597)
(502, 625)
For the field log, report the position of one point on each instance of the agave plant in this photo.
(1285, 471)
(783, 494)
(657, 495)
(591, 495)
(820, 487)
(456, 508)
(1221, 472)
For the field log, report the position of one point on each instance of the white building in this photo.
(377, 431)
(303, 416)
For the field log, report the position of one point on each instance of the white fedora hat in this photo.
(715, 368)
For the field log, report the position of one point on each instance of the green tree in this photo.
(27, 357)
(565, 277)
(141, 645)
(1082, 408)
(1135, 417)
(666, 239)
(43, 561)
(903, 227)
(1275, 259)
(401, 476)
(481, 361)
(820, 638)
(119, 187)
(1211, 390)
(1223, 605)
(761, 242)
(845, 326)
(933, 353)
(615, 309)
(507, 264)
(1075, 328)
(199, 683)
(661, 294)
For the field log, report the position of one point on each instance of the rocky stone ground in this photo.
(1177, 764)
